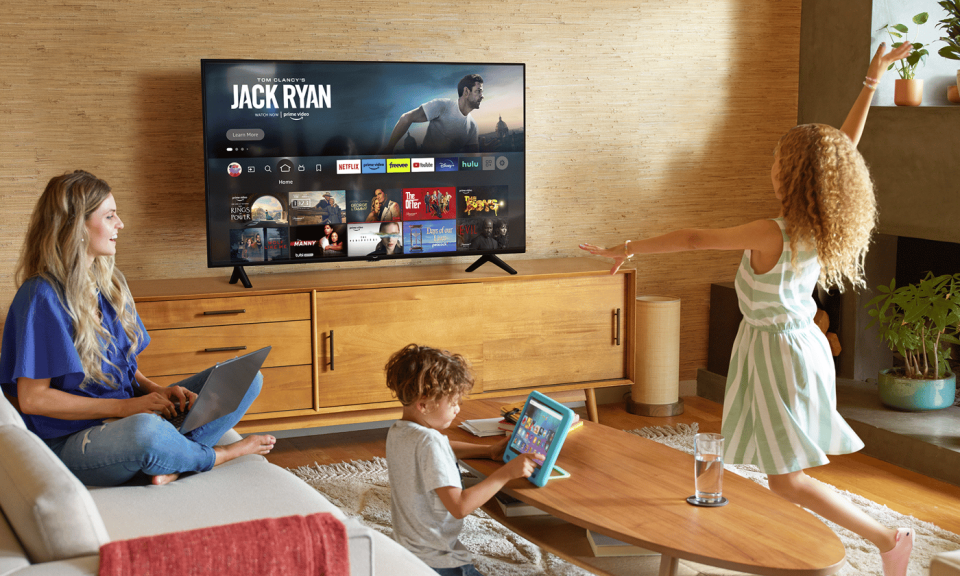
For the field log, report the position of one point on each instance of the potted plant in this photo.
(908, 91)
(919, 321)
(951, 27)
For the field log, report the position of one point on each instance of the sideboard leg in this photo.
(590, 396)
(668, 565)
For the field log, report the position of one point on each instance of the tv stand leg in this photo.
(239, 274)
(493, 259)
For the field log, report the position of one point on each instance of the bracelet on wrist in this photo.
(626, 254)
(869, 86)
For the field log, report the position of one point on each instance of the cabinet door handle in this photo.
(617, 315)
(225, 349)
(216, 312)
(330, 338)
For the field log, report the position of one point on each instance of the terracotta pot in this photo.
(953, 94)
(908, 92)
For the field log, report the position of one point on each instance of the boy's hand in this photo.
(497, 450)
(522, 466)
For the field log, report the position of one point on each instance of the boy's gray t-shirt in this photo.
(420, 460)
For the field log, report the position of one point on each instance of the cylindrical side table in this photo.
(656, 387)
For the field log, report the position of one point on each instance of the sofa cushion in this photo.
(50, 511)
(9, 414)
(238, 491)
(314, 544)
(946, 564)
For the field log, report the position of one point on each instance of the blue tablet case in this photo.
(541, 428)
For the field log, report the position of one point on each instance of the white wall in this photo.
(937, 72)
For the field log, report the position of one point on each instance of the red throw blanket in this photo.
(315, 544)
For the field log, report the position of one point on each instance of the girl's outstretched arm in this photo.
(761, 236)
(857, 117)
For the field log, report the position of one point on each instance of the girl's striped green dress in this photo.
(780, 408)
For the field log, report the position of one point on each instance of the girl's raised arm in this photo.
(857, 117)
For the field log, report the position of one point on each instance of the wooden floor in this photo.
(901, 490)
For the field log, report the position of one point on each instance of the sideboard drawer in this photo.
(190, 350)
(285, 388)
(224, 311)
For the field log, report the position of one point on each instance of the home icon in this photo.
(284, 168)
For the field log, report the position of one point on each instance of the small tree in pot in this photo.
(951, 28)
(919, 321)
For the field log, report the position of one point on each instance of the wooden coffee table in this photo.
(635, 490)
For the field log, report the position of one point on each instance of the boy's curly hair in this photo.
(828, 200)
(416, 372)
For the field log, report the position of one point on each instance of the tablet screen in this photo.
(536, 429)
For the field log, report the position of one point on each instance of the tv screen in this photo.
(321, 161)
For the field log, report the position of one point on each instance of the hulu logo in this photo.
(469, 164)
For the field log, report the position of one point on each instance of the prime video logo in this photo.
(374, 166)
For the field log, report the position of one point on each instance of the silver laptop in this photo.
(225, 386)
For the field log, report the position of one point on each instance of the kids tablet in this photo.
(541, 429)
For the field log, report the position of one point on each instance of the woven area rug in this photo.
(361, 489)
(862, 556)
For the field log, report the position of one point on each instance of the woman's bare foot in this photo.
(161, 479)
(255, 444)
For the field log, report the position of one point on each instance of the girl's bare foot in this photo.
(161, 479)
(255, 444)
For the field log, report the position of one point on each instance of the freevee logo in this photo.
(470, 164)
(398, 165)
(374, 166)
(348, 166)
(447, 164)
(422, 165)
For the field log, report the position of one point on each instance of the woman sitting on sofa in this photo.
(70, 346)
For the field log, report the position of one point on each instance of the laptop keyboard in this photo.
(177, 420)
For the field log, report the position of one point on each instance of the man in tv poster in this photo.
(485, 240)
(333, 214)
(450, 127)
(382, 208)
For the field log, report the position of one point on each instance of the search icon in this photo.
(266, 168)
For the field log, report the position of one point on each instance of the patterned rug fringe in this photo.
(653, 432)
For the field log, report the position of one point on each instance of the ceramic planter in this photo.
(908, 92)
(953, 92)
(916, 395)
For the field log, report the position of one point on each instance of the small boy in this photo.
(428, 502)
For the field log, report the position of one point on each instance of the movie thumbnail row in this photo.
(311, 208)
(358, 240)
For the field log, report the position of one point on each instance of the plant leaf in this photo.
(920, 18)
(900, 27)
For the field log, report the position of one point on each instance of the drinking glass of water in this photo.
(708, 468)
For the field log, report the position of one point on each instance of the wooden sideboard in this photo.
(557, 325)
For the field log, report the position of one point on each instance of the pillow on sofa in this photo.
(9, 414)
(51, 512)
(314, 544)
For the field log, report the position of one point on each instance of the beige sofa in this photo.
(946, 564)
(53, 525)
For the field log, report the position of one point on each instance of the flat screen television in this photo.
(324, 161)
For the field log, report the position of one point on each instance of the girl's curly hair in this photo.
(828, 201)
(416, 372)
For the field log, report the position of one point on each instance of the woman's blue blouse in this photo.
(38, 344)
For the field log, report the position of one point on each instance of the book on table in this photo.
(603, 545)
(512, 507)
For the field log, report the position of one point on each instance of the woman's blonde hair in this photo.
(828, 200)
(55, 249)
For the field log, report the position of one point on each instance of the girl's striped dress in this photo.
(780, 408)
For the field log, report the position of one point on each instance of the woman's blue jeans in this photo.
(112, 453)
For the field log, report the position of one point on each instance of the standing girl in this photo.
(779, 410)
